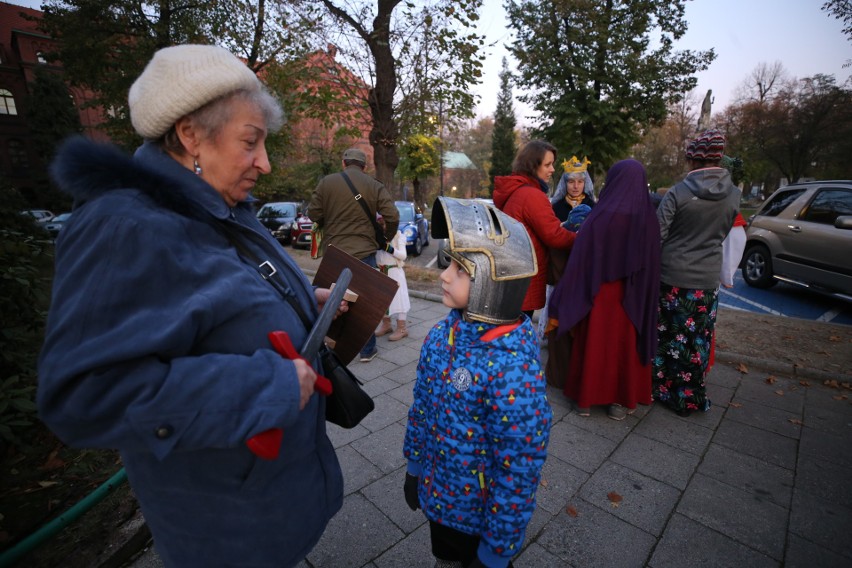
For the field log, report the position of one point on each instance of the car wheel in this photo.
(757, 267)
(418, 247)
(443, 260)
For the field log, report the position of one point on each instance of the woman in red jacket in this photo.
(523, 196)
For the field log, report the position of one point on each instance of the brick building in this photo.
(22, 50)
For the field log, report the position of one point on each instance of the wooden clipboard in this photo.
(375, 290)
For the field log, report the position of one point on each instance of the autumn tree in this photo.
(105, 44)
(802, 131)
(394, 46)
(420, 158)
(474, 138)
(504, 144)
(841, 10)
(593, 73)
(661, 148)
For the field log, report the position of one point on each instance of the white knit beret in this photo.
(181, 79)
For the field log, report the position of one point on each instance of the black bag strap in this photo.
(360, 200)
(266, 269)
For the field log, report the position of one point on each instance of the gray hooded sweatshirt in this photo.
(695, 217)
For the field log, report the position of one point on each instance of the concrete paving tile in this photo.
(405, 375)
(341, 436)
(719, 398)
(824, 523)
(656, 460)
(783, 394)
(724, 376)
(536, 556)
(688, 543)
(767, 446)
(388, 410)
(379, 385)
(413, 551)
(825, 480)
(355, 536)
(805, 554)
(538, 521)
(665, 426)
(358, 472)
(738, 514)
(832, 448)
(645, 502)
(596, 538)
(766, 417)
(372, 369)
(828, 398)
(387, 495)
(397, 352)
(559, 482)
(601, 425)
(383, 448)
(403, 393)
(834, 420)
(580, 448)
(761, 479)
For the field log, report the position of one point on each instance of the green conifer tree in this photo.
(503, 144)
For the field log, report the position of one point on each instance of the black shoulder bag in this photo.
(381, 240)
(348, 403)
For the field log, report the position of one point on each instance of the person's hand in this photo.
(307, 378)
(322, 295)
(410, 489)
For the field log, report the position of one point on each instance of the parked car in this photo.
(802, 235)
(279, 218)
(40, 215)
(55, 225)
(414, 226)
(300, 234)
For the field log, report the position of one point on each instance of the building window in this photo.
(18, 154)
(7, 102)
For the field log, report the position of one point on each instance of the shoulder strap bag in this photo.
(348, 403)
(381, 241)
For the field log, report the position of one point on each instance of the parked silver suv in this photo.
(802, 235)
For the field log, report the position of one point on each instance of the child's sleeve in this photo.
(519, 428)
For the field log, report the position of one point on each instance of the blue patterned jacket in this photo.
(478, 430)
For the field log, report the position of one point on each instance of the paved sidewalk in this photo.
(763, 479)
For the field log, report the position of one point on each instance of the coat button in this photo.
(163, 432)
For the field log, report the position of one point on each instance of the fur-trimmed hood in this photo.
(87, 170)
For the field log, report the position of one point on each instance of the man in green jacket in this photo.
(336, 209)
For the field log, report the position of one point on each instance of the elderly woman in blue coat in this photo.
(157, 336)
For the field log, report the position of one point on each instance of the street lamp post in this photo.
(441, 142)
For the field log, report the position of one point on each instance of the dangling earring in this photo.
(197, 167)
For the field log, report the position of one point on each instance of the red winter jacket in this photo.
(521, 198)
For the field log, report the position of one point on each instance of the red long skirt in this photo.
(605, 366)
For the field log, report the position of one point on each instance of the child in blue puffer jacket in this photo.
(480, 421)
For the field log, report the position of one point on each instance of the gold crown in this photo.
(575, 166)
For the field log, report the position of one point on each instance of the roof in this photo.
(10, 19)
(458, 161)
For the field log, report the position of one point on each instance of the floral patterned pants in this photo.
(685, 327)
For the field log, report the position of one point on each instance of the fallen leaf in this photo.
(614, 498)
(795, 421)
(572, 512)
(779, 392)
(543, 482)
(805, 383)
(45, 484)
(742, 368)
(831, 383)
(53, 461)
(840, 397)
(770, 380)
(834, 338)
(734, 404)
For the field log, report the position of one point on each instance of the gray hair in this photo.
(213, 116)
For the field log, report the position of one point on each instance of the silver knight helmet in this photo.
(494, 249)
